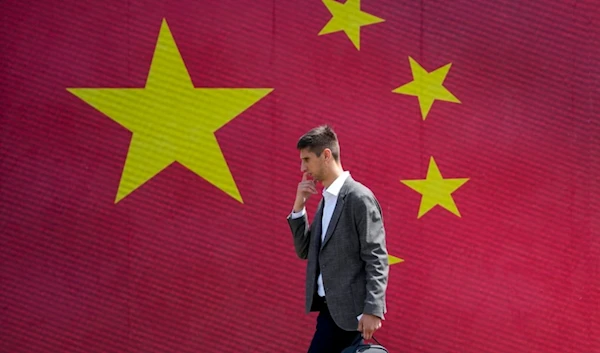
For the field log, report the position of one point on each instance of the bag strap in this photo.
(360, 337)
(375, 339)
(357, 340)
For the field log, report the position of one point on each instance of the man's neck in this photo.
(334, 174)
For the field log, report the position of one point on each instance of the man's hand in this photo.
(305, 189)
(368, 324)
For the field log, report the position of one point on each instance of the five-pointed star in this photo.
(436, 190)
(171, 120)
(349, 18)
(427, 86)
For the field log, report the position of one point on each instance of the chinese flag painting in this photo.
(148, 164)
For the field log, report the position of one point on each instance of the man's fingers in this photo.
(368, 326)
(308, 186)
(304, 176)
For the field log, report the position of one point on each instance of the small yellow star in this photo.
(349, 18)
(436, 190)
(427, 86)
(392, 260)
(171, 120)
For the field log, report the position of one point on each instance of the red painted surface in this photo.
(178, 264)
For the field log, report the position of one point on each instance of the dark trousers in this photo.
(329, 337)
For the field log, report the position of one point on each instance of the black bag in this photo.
(358, 346)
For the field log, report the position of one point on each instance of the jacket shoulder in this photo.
(357, 189)
(360, 196)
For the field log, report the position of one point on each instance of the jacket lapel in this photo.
(336, 212)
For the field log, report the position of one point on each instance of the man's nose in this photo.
(302, 167)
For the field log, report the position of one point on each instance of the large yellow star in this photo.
(427, 86)
(171, 120)
(436, 190)
(349, 18)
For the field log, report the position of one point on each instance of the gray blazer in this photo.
(353, 257)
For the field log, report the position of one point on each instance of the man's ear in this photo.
(327, 154)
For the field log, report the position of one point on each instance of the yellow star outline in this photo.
(349, 18)
(427, 86)
(171, 120)
(436, 190)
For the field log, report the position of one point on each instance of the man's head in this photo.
(320, 152)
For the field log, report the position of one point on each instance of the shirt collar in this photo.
(336, 186)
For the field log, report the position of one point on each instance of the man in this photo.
(347, 268)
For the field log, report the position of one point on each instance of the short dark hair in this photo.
(318, 139)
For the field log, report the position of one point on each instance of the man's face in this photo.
(312, 164)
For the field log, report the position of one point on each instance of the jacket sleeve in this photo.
(301, 234)
(373, 251)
